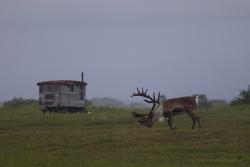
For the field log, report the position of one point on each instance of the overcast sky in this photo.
(176, 47)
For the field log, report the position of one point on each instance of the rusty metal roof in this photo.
(63, 82)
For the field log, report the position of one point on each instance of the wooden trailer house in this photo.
(62, 96)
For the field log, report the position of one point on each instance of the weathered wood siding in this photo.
(56, 95)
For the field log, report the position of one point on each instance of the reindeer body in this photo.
(179, 105)
(182, 102)
(168, 109)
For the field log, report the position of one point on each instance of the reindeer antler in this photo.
(143, 118)
(143, 93)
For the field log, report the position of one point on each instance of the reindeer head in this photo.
(148, 119)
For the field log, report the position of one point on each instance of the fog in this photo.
(178, 48)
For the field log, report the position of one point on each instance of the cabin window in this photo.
(41, 88)
(51, 88)
(72, 88)
(50, 96)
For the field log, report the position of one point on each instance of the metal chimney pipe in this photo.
(82, 77)
(82, 87)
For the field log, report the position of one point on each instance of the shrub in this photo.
(243, 97)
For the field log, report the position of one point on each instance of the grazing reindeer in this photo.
(167, 108)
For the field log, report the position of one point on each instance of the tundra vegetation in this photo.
(111, 137)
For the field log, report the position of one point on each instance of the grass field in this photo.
(111, 137)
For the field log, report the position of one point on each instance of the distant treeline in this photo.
(243, 97)
(112, 102)
(109, 102)
(19, 101)
(205, 103)
(106, 101)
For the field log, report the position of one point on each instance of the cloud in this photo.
(60, 13)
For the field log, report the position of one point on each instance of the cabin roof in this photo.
(62, 82)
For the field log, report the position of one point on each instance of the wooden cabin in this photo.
(62, 96)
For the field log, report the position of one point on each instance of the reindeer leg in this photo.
(194, 122)
(193, 116)
(199, 124)
(170, 122)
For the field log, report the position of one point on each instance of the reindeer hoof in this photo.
(172, 129)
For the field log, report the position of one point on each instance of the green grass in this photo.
(111, 137)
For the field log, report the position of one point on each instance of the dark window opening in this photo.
(72, 88)
(51, 88)
(41, 88)
(50, 96)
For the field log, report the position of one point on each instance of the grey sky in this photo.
(176, 47)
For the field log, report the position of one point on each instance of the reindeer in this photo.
(167, 109)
